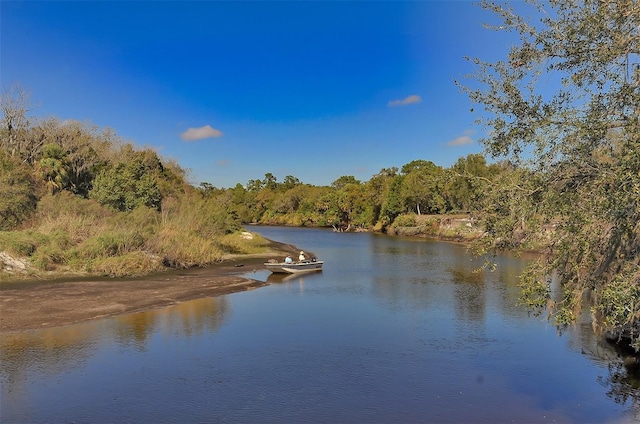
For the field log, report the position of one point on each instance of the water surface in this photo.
(391, 331)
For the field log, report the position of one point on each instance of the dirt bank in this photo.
(31, 305)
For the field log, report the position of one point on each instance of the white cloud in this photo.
(414, 98)
(207, 131)
(463, 140)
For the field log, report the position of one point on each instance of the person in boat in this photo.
(301, 258)
(288, 260)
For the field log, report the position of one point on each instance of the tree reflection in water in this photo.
(55, 350)
(187, 318)
(623, 381)
(623, 384)
(51, 351)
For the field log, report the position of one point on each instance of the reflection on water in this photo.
(50, 351)
(392, 330)
(294, 282)
(60, 351)
(188, 319)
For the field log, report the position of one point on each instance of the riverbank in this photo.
(459, 228)
(29, 305)
(62, 299)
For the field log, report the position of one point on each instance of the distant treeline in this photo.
(418, 188)
(76, 197)
(50, 158)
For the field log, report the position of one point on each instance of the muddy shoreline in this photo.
(44, 304)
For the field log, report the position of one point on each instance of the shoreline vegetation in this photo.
(65, 299)
(34, 300)
(454, 228)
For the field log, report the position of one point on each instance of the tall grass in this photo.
(243, 243)
(73, 234)
(129, 264)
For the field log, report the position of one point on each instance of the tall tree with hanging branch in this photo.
(564, 105)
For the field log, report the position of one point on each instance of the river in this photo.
(393, 330)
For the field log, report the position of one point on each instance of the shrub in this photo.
(405, 220)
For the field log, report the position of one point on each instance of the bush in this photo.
(406, 220)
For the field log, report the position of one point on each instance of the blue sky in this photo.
(234, 90)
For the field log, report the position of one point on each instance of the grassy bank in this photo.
(70, 234)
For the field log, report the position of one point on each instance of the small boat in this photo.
(294, 267)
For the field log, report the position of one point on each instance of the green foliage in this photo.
(618, 304)
(343, 181)
(405, 220)
(392, 207)
(43, 250)
(184, 250)
(377, 192)
(290, 182)
(130, 264)
(52, 252)
(243, 243)
(422, 187)
(18, 243)
(114, 243)
(126, 186)
(151, 216)
(53, 168)
(270, 181)
(17, 193)
(468, 181)
(579, 141)
(535, 292)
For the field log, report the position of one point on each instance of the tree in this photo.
(53, 168)
(207, 189)
(15, 105)
(347, 205)
(254, 185)
(341, 182)
(392, 206)
(378, 188)
(565, 104)
(131, 183)
(468, 182)
(422, 187)
(270, 181)
(419, 165)
(290, 182)
(85, 152)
